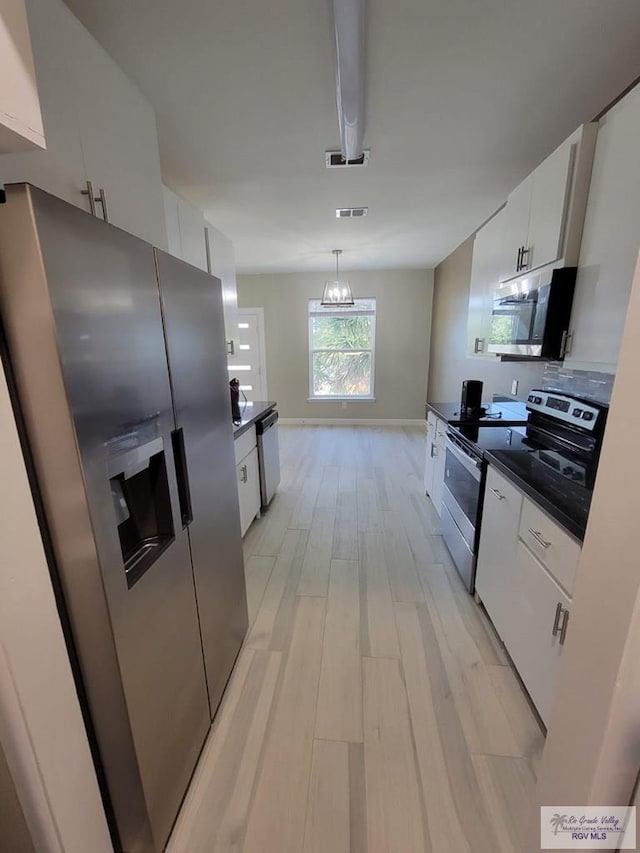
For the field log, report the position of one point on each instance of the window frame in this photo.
(342, 312)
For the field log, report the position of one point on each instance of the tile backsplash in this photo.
(583, 383)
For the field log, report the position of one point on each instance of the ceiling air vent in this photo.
(335, 160)
(351, 212)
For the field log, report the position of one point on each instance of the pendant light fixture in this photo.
(337, 294)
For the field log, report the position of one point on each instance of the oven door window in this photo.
(513, 318)
(464, 488)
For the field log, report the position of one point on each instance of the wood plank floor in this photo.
(372, 708)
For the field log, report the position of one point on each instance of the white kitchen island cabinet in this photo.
(98, 126)
(525, 573)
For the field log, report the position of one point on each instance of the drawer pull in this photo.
(561, 613)
(495, 492)
(244, 476)
(538, 537)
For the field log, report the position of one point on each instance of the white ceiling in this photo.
(464, 98)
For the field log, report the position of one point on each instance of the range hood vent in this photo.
(351, 212)
(335, 160)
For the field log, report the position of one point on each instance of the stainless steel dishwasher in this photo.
(268, 456)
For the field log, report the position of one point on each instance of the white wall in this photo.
(449, 363)
(41, 726)
(403, 322)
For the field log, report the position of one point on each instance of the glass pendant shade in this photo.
(337, 294)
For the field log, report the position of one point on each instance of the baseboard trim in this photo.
(352, 422)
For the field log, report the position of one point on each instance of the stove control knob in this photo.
(567, 470)
(576, 413)
(537, 400)
(587, 416)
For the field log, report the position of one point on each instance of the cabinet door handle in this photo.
(500, 497)
(538, 537)
(524, 258)
(563, 630)
(561, 613)
(479, 345)
(433, 451)
(563, 343)
(91, 196)
(102, 199)
(231, 348)
(518, 261)
(244, 476)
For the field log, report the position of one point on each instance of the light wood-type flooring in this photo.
(372, 708)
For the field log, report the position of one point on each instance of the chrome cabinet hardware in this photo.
(523, 258)
(566, 343)
(103, 201)
(434, 452)
(244, 476)
(538, 537)
(231, 348)
(500, 496)
(561, 614)
(478, 345)
(93, 198)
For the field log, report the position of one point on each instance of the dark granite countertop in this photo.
(565, 501)
(252, 412)
(508, 414)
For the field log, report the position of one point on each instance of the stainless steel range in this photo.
(463, 488)
(554, 459)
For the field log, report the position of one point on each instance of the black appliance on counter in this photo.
(530, 316)
(471, 400)
(554, 461)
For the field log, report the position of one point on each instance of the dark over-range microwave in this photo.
(530, 316)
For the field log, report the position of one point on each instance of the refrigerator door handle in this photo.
(182, 476)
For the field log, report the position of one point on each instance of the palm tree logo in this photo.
(557, 821)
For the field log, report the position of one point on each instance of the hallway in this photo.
(372, 707)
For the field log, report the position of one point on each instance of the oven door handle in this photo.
(472, 466)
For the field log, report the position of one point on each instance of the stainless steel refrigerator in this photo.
(118, 356)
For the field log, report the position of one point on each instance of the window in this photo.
(341, 350)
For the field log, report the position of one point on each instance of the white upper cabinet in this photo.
(119, 140)
(172, 221)
(544, 215)
(192, 235)
(610, 241)
(485, 279)
(515, 230)
(98, 128)
(222, 264)
(21, 127)
(60, 169)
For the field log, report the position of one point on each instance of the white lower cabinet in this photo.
(497, 553)
(435, 460)
(248, 478)
(540, 611)
(526, 566)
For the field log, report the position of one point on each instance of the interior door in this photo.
(195, 336)
(247, 361)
